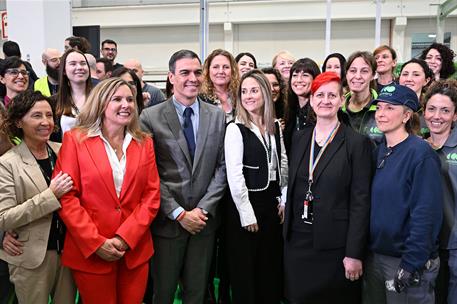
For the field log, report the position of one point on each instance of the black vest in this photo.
(255, 159)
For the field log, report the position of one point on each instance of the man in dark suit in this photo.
(189, 142)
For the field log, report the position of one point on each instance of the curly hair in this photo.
(447, 87)
(20, 106)
(208, 86)
(447, 59)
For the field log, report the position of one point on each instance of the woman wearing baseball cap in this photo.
(406, 207)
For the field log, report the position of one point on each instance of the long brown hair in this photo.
(268, 109)
(65, 103)
(208, 86)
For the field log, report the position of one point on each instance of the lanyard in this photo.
(313, 162)
(307, 203)
(267, 146)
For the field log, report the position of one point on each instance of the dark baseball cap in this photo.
(399, 95)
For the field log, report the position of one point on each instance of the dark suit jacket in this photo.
(183, 183)
(341, 190)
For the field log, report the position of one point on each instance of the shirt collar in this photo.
(128, 137)
(180, 107)
(451, 141)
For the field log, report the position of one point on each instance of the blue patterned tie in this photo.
(189, 131)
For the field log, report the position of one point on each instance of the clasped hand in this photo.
(194, 221)
(61, 184)
(112, 249)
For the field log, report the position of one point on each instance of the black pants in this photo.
(255, 258)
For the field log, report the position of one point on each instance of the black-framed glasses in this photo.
(16, 72)
(384, 158)
(110, 49)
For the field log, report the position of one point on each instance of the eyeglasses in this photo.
(383, 160)
(110, 49)
(16, 72)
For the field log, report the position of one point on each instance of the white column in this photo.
(36, 25)
(328, 27)
(228, 36)
(398, 38)
(377, 40)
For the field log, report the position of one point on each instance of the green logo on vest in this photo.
(375, 130)
(452, 158)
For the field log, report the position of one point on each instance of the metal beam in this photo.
(204, 29)
(447, 7)
(444, 10)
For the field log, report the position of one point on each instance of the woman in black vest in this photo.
(328, 205)
(256, 171)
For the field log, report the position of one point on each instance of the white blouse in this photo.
(234, 151)
(117, 166)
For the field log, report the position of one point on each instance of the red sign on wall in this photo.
(4, 26)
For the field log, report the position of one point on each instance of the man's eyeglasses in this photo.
(110, 49)
(16, 72)
(384, 158)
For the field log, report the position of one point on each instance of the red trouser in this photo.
(120, 286)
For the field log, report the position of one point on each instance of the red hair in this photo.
(324, 78)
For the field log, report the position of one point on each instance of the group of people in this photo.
(290, 183)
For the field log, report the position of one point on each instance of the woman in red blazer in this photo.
(114, 199)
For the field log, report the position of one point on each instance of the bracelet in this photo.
(181, 216)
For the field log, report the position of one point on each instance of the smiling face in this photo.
(300, 83)
(120, 108)
(251, 96)
(385, 62)
(390, 118)
(275, 87)
(283, 65)
(186, 79)
(76, 68)
(440, 114)
(245, 64)
(359, 76)
(327, 100)
(38, 123)
(434, 61)
(413, 77)
(220, 71)
(333, 65)
(109, 51)
(16, 80)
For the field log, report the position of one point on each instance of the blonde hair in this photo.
(268, 108)
(92, 114)
(208, 86)
(284, 54)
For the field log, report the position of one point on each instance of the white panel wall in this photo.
(153, 46)
(306, 39)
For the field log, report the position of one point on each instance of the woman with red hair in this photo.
(328, 204)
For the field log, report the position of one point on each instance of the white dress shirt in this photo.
(117, 165)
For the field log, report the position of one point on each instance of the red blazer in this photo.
(92, 212)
